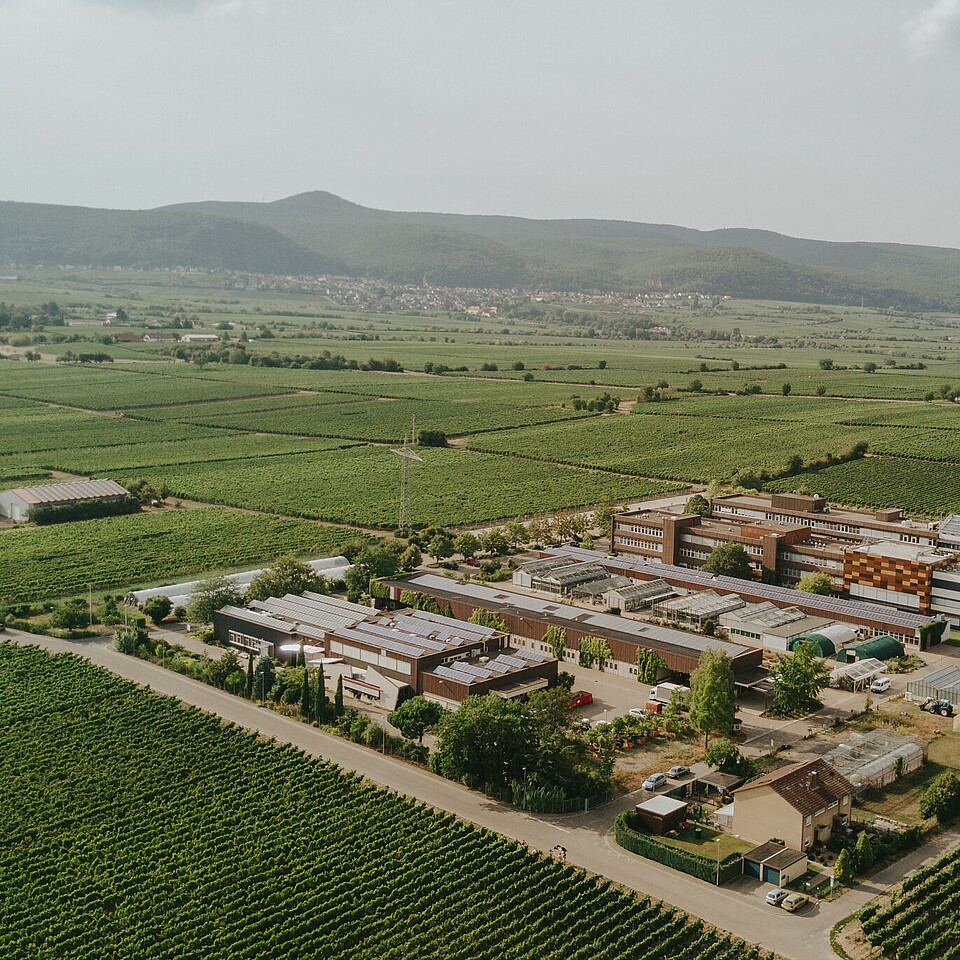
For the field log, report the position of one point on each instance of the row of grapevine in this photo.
(132, 827)
(38, 562)
(919, 921)
(449, 487)
(916, 486)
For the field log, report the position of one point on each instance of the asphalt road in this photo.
(587, 837)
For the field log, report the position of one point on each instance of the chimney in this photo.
(813, 783)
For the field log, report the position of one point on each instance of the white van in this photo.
(880, 685)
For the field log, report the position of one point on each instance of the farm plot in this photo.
(360, 485)
(920, 923)
(915, 486)
(59, 560)
(237, 447)
(132, 827)
(117, 389)
(34, 430)
(384, 420)
(688, 448)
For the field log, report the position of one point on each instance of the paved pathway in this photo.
(587, 836)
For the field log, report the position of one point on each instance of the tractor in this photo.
(933, 705)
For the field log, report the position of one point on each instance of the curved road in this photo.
(588, 837)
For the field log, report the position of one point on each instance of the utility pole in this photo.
(406, 454)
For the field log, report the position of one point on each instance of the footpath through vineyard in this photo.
(586, 836)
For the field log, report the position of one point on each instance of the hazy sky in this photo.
(822, 118)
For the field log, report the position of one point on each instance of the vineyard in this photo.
(37, 562)
(920, 921)
(916, 486)
(384, 420)
(359, 484)
(223, 446)
(134, 828)
(697, 449)
(116, 389)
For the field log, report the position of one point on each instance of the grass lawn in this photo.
(706, 846)
(945, 750)
(899, 801)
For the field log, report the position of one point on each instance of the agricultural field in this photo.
(658, 444)
(225, 445)
(919, 922)
(917, 486)
(381, 420)
(132, 827)
(360, 485)
(112, 552)
(115, 388)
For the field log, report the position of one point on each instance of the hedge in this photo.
(647, 845)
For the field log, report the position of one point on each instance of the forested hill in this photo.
(318, 232)
(32, 233)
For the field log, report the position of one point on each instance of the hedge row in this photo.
(647, 845)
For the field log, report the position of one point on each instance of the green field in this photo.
(134, 828)
(112, 552)
(275, 435)
(360, 485)
(919, 923)
(931, 489)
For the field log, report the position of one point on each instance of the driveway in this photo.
(588, 837)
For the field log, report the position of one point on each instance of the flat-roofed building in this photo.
(840, 523)
(529, 617)
(870, 618)
(904, 575)
(387, 657)
(789, 550)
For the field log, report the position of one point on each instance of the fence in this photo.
(536, 799)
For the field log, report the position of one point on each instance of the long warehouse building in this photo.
(528, 618)
(914, 629)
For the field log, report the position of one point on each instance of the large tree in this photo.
(713, 702)
(699, 505)
(482, 742)
(210, 595)
(414, 716)
(816, 582)
(287, 575)
(798, 679)
(370, 563)
(730, 560)
(466, 544)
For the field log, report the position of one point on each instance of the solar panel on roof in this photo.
(535, 655)
(511, 661)
(399, 636)
(843, 607)
(498, 667)
(470, 668)
(387, 644)
(453, 675)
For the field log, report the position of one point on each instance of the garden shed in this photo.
(877, 758)
(662, 814)
(883, 647)
(944, 684)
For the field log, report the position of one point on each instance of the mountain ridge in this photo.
(318, 232)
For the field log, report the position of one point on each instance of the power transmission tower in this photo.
(406, 454)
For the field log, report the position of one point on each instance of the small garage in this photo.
(774, 863)
(662, 814)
